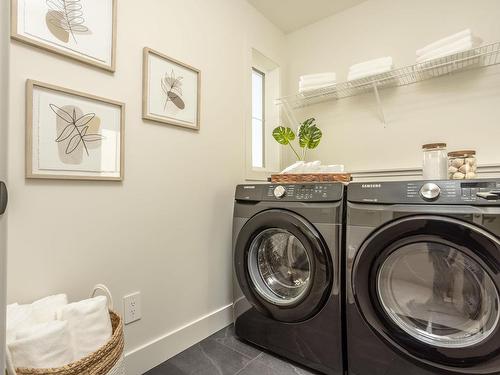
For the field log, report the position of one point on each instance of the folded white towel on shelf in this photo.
(371, 65)
(310, 88)
(315, 81)
(45, 309)
(369, 73)
(45, 345)
(455, 47)
(89, 324)
(18, 316)
(328, 76)
(467, 33)
(370, 68)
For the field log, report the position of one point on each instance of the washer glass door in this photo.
(438, 295)
(279, 267)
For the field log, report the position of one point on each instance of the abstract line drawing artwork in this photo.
(171, 86)
(76, 131)
(65, 18)
(171, 91)
(84, 30)
(73, 135)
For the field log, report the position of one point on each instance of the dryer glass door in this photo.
(279, 266)
(283, 265)
(438, 295)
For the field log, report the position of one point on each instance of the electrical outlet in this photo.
(132, 307)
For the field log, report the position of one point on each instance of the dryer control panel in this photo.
(308, 192)
(470, 192)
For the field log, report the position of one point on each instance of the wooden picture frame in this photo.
(176, 99)
(47, 147)
(55, 35)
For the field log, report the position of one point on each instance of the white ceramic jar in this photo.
(435, 165)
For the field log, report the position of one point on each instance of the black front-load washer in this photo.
(287, 274)
(423, 278)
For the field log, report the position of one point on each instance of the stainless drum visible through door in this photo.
(279, 266)
(438, 295)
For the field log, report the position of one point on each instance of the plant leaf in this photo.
(306, 125)
(92, 137)
(72, 15)
(84, 120)
(73, 143)
(61, 113)
(310, 137)
(176, 99)
(283, 135)
(66, 133)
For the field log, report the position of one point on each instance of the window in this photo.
(263, 153)
(258, 118)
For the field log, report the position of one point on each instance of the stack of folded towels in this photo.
(312, 82)
(52, 333)
(313, 167)
(370, 68)
(459, 42)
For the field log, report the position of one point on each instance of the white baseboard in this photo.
(145, 357)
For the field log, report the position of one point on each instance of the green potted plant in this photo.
(309, 136)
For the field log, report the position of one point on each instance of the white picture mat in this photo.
(157, 67)
(98, 14)
(104, 162)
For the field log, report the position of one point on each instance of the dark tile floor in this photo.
(223, 354)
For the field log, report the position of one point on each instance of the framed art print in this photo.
(171, 91)
(72, 135)
(84, 30)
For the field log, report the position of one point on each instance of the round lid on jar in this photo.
(461, 153)
(433, 146)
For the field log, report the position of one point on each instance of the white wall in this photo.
(462, 109)
(4, 79)
(165, 230)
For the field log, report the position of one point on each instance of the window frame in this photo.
(273, 152)
(263, 120)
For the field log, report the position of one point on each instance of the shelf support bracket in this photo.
(379, 104)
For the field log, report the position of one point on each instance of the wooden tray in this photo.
(310, 177)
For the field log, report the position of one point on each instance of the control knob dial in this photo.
(279, 191)
(430, 191)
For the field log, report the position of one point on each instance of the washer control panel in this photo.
(471, 192)
(310, 192)
(306, 192)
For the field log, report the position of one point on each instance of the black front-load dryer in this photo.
(423, 278)
(287, 274)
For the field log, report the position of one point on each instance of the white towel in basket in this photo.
(45, 309)
(43, 345)
(25, 316)
(18, 316)
(89, 324)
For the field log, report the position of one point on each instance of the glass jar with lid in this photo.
(435, 165)
(462, 165)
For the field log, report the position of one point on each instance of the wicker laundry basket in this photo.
(108, 360)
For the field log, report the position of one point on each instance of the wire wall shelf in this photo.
(474, 58)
